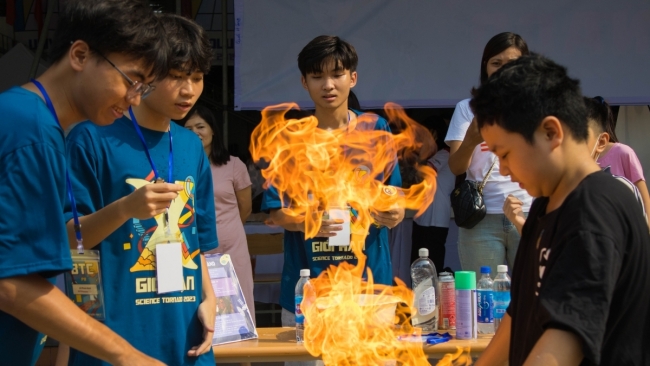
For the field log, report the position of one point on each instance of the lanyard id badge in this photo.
(168, 249)
(83, 284)
(169, 263)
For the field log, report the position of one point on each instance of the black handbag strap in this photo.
(480, 187)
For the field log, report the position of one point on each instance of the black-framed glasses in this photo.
(137, 87)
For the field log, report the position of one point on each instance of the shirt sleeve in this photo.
(577, 294)
(241, 179)
(83, 170)
(271, 200)
(32, 228)
(460, 121)
(206, 219)
(632, 165)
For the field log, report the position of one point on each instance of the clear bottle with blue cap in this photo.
(300, 293)
(485, 302)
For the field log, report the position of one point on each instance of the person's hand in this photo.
(329, 227)
(149, 200)
(473, 135)
(207, 313)
(513, 209)
(390, 218)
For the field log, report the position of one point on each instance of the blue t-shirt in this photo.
(108, 163)
(316, 255)
(33, 238)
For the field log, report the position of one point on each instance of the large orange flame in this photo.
(349, 321)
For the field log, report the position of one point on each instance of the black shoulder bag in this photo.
(467, 202)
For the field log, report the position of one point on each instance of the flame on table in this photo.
(315, 169)
(462, 357)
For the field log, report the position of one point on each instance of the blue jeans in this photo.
(491, 242)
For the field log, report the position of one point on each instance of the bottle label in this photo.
(485, 303)
(427, 301)
(501, 303)
(448, 302)
(300, 317)
(466, 314)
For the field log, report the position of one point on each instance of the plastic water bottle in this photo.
(501, 294)
(427, 292)
(485, 302)
(300, 317)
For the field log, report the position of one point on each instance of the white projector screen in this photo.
(427, 53)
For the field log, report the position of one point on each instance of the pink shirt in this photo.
(622, 162)
(226, 180)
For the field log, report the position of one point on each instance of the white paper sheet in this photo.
(342, 237)
(169, 267)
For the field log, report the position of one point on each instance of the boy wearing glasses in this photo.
(133, 181)
(579, 289)
(33, 242)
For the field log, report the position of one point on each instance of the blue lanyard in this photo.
(146, 149)
(75, 214)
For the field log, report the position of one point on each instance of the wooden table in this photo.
(279, 344)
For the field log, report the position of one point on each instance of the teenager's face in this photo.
(101, 89)
(330, 88)
(527, 164)
(175, 95)
(497, 62)
(201, 128)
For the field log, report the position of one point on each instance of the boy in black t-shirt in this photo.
(579, 289)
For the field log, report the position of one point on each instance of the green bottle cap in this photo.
(465, 280)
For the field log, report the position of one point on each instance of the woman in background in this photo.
(494, 240)
(232, 196)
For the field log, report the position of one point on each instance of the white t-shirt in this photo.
(498, 187)
(439, 212)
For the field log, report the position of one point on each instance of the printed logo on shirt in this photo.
(181, 215)
(544, 254)
(484, 147)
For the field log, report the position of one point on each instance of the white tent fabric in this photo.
(424, 53)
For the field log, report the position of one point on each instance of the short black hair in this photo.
(524, 92)
(219, 154)
(112, 26)
(498, 44)
(598, 110)
(189, 44)
(325, 49)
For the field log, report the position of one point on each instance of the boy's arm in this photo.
(556, 347)
(394, 216)
(328, 228)
(497, 352)
(26, 298)
(144, 203)
(207, 312)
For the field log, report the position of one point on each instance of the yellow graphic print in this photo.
(147, 259)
